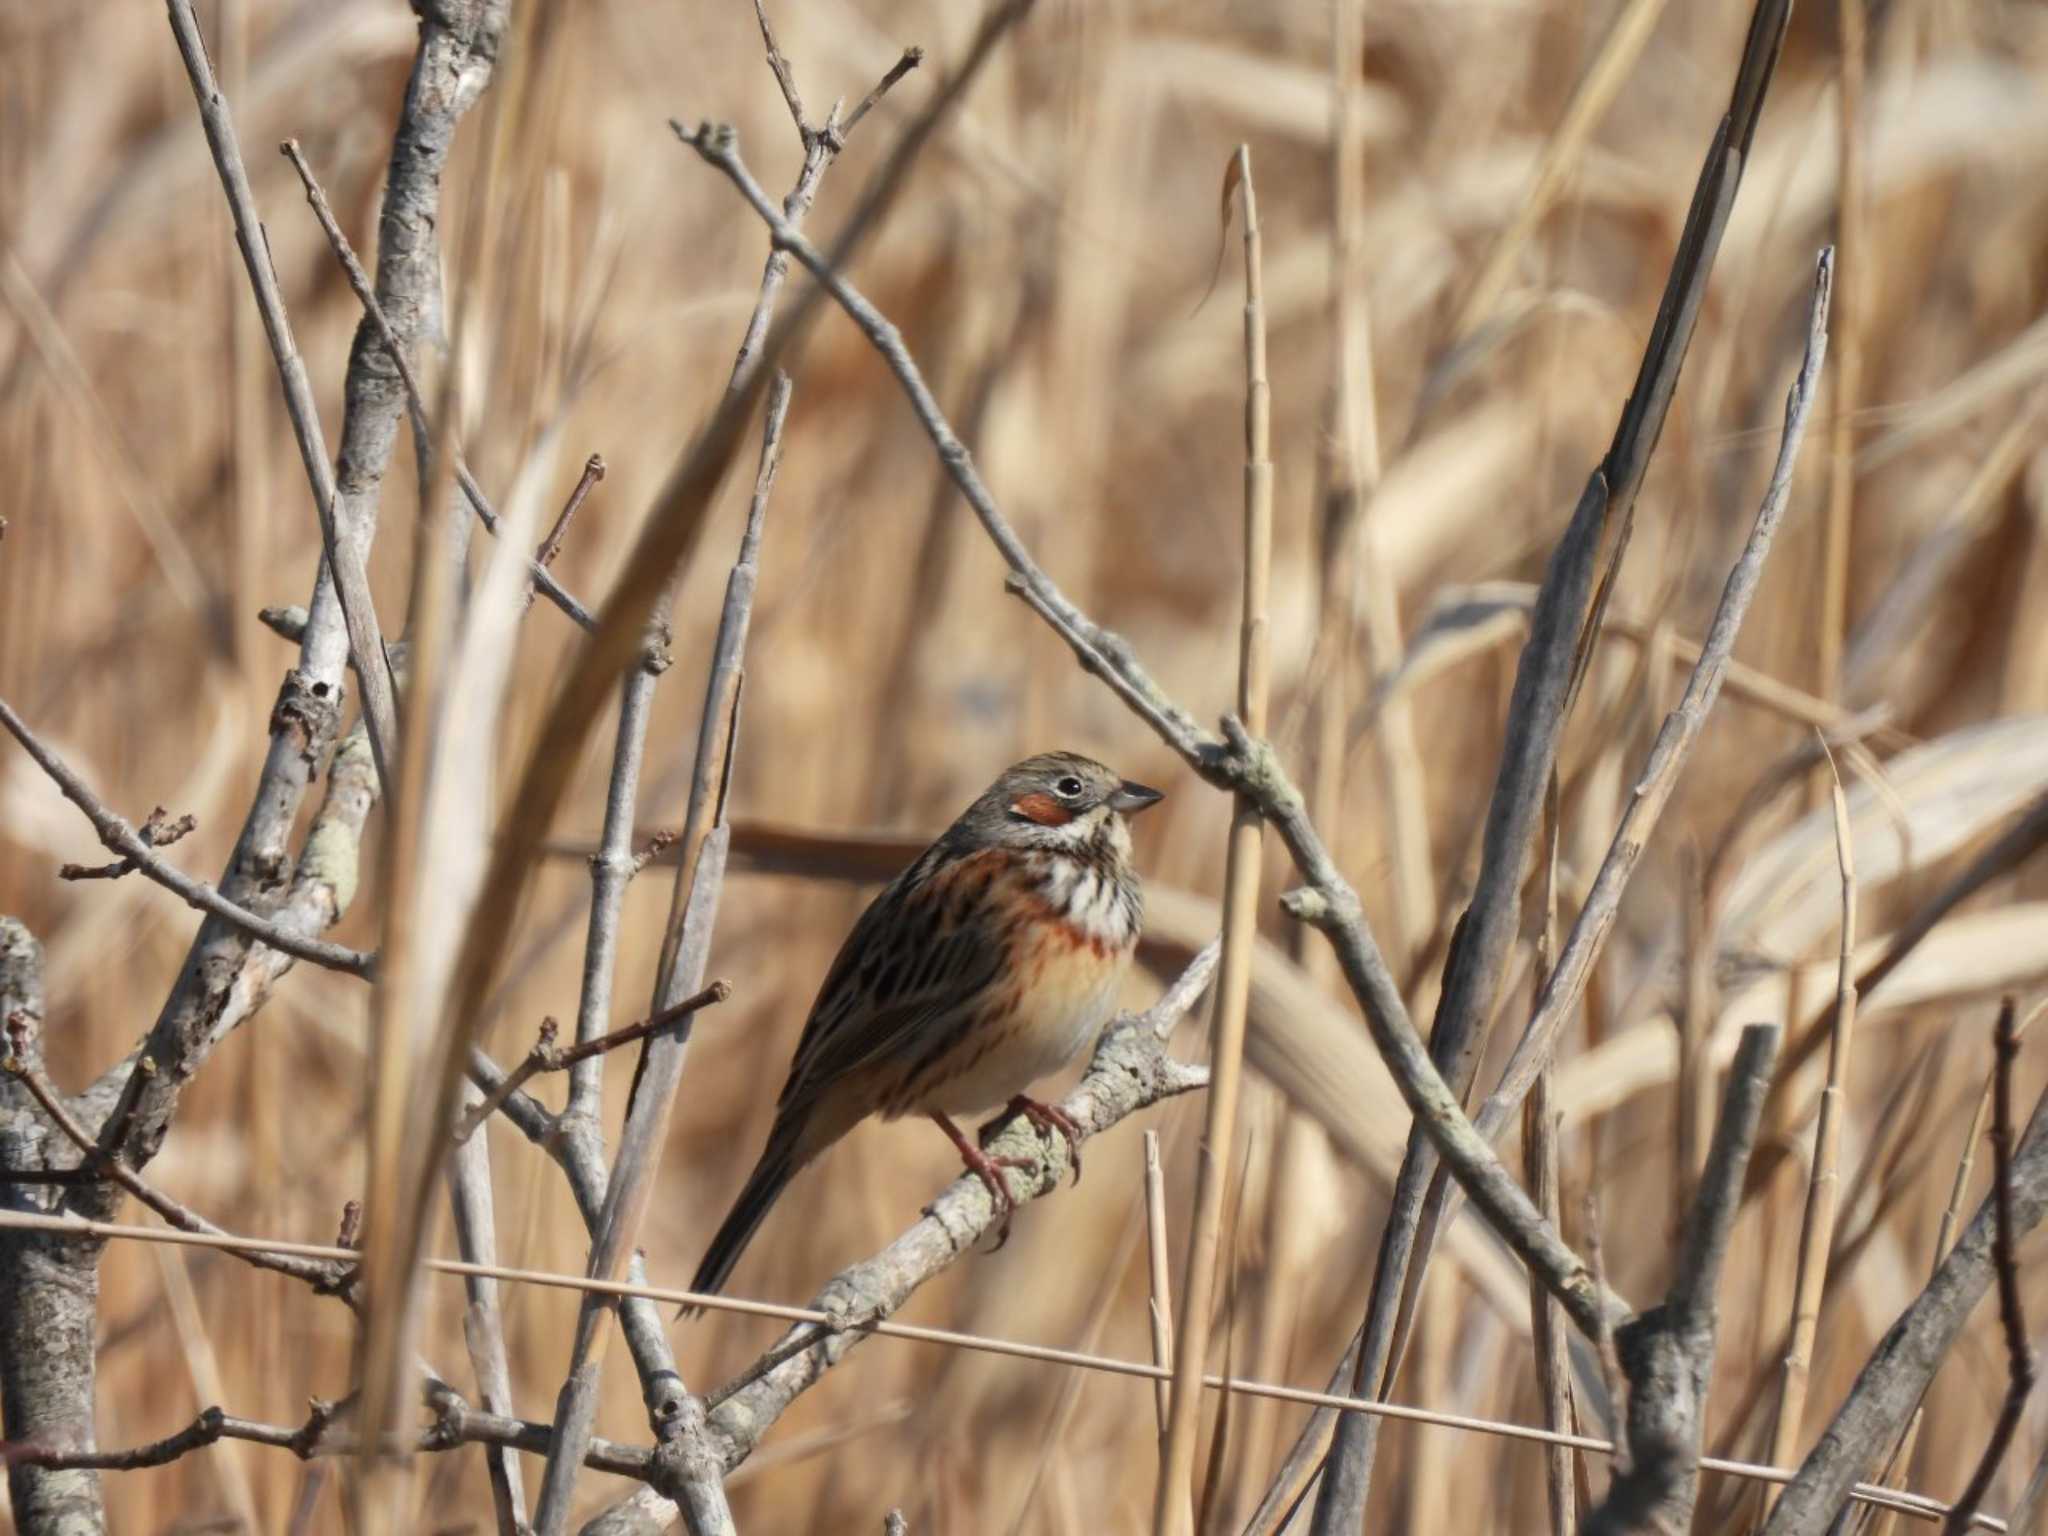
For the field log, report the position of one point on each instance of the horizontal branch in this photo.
(1917, 1505)
(122, 838)
(455, 1425)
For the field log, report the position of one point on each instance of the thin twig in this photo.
(1817, 1230)
(575, 1138)
(1563, 627)
(226, 976)
(659, 1070)
(1553, 1363)
(1172, 1511)
(483, 1325)
(1159, 1305)
(785, 77)
(2005, 1255)
(454, 1428)
(1237, 763)
(912, 57)
(551, 546)
(156, 832)
(346, 548)
(394, 348)
(1916, 1505)
(546, 1056)
(140, 854)
(1668, 755)
(1894, 1380)
(23, 1063)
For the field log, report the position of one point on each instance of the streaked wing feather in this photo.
(894, 980)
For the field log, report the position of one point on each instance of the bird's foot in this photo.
(1046, 1119)
(990, 1171)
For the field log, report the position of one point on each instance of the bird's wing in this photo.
(907, 965)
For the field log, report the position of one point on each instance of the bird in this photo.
(984, 966)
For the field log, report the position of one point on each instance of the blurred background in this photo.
(1048, 265)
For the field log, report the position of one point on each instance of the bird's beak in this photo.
(1132, 797)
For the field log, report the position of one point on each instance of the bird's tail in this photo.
(778, 1165)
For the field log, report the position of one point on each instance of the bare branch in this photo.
(23, 1063)
(1237, 764)
(912, 57)
(784, 75)
(346, 551)
(1129, 1072)
(394, 349)
(1668, 1352)
(546, 1056)
(139, 852)
(2005, 1255)
(575, 1138)
(49, 1294)
(685, 952)
(455, 1426)
(471, 1201)
(157, 831)
(1895, 1378)
(1668, 755)
(551, 546)
(225, 975)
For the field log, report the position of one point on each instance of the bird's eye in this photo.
(1068, 788)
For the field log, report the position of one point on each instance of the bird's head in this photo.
(1059, 800)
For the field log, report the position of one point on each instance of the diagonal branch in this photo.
(685, 953)
(1562, 628)
(1130, 1071)
(226, 974)
(1668, 1352)
(416, 410)
(1237, 764)
(1895, 1378)
(346, 552)
(140, 853)
(23, 1062)
(1659, 777)
(2005, 1254)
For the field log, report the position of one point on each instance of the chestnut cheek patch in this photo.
(1043, 809)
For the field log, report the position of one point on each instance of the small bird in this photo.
(985, 966)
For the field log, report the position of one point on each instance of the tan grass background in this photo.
(1046, 267)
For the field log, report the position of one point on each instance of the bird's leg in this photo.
(1045, 1119)
(987, 1169)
